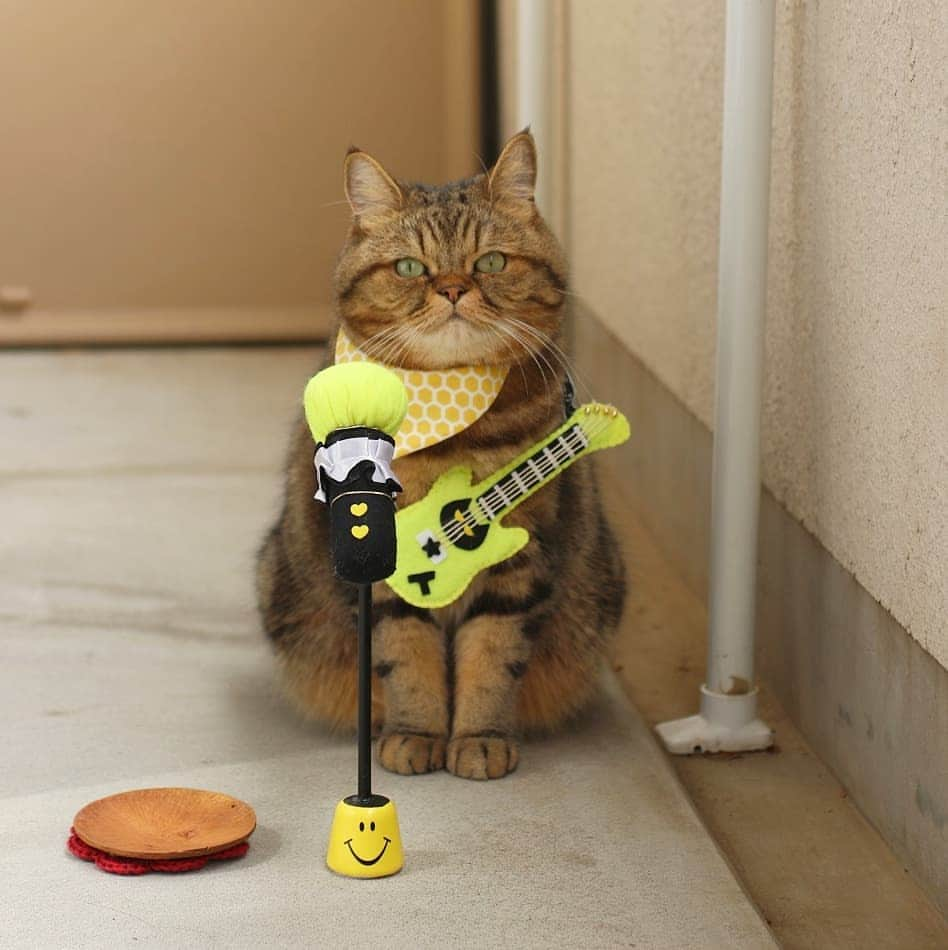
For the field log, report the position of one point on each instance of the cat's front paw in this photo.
(409, 754)
(482, 757)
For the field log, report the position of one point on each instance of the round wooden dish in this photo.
(165, 823)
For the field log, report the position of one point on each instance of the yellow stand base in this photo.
(364, 840)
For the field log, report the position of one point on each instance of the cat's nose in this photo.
(454, 292)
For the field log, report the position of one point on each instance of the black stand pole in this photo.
(365, 692)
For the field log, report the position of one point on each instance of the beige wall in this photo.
(188, 155)
(855, 442)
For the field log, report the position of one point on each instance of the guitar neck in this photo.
(506, 489)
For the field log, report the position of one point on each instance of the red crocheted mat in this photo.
(134, 866)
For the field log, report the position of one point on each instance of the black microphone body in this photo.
(355, 480)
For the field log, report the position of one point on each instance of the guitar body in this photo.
(432, 570)
(446, 538)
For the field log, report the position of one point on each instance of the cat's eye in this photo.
(409, 267)
(493, 262)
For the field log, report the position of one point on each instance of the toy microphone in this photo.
(353, 411)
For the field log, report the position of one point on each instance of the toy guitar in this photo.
(454, 532)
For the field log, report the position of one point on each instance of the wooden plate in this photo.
(162, 823)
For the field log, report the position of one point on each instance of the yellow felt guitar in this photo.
(454, 532)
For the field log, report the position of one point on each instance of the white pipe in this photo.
(742, 293)
(535, 87)
(728, 718)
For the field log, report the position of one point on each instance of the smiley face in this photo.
(365, 841)
(368, 862)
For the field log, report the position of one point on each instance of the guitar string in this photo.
(569, 444)
(547, 463)
(576, 433)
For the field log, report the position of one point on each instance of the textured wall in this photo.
(855, 442)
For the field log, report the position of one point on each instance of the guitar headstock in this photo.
(602, 424)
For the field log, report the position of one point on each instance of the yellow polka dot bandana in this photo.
(441, 403)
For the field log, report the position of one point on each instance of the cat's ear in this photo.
(371, 191)
(514, 175)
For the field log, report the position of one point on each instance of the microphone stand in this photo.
(365, 840)
(365, 693)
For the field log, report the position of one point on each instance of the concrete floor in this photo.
(135, 486)
(819, 872)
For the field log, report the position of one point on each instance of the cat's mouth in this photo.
(450, 340)
(459, 340)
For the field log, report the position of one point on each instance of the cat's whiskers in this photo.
(375, 345)
(399, 339)
(491, 323)
(536, 344)
(397, 358)
(558, 352)
(569, 293)
(382, 353)
(513, 354)
(535, 355)
(420, 325)
(390, 346)
(384, 338)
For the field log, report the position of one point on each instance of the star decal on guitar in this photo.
(432, 547)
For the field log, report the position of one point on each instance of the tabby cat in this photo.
(429, 278)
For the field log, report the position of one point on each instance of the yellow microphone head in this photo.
(354, 394)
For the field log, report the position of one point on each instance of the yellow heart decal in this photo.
(359, 508)
(359, 531)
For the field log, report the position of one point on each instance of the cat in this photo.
(520, 651)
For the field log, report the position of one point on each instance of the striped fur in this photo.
(520, 651)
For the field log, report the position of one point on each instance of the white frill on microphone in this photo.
(342, 456)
